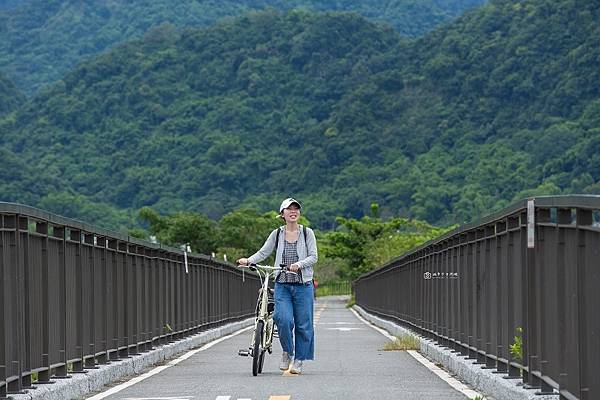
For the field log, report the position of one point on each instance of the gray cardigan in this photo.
(306, 260)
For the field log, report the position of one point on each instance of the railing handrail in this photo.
(570, 201)
(55, 219)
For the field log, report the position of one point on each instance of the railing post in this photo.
(3, 293)
(512, 223)
(501, 306)
(563, 217)
(471, 293)
(16, 386)
(133, 298)
(158, 296)
(587, 368)
(101, 242)
(479, 290)
(91, 293)
(61, 371)
(27, 294)
(75, 235)
(115, 353)
(44, 376)
(489, 317)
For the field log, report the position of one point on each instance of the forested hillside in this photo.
(501, 104)
(330, 108)
(41, 40)
(8, 4)
(10, 96)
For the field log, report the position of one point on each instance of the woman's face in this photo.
(292, 213)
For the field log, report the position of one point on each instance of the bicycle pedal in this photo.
(243, 353)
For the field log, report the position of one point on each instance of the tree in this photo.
(183, 228)
(368, 243)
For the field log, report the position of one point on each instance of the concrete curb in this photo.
(492, 385)
(80, 385)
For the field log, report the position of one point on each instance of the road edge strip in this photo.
(485, 381)
(95, 380)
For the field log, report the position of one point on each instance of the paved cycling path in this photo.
(350, 364)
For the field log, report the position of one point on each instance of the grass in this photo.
(404, 342)
(351, 302)
(516, 348)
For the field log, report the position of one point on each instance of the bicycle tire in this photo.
(256, 350)
(261, 362)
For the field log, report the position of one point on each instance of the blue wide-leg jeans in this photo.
(294, 319)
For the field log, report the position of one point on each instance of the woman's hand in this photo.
(242, 261)
(294, 268)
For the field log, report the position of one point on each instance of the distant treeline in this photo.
(357, 246)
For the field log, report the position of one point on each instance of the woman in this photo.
(297, 249)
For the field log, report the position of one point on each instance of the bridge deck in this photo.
(350, 364)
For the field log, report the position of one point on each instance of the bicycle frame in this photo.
(263, 312)
(263, 323)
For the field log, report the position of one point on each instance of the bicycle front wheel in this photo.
(257, 353)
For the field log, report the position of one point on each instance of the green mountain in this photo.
(331, 108)
(10, 96)
(9, 4)
(41, 40)
(501, 104)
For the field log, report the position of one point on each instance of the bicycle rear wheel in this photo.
(258, 354)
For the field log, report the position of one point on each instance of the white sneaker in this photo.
(285, 361)
(296, 367)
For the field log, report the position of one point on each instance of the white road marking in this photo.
(344, 329)
(223, 397)
(445, 376)
(157, 398)
(156, 370)
(461, 387)
(378, 329)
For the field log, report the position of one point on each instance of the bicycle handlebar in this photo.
(255, 267)
(264, 267)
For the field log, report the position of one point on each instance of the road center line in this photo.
(156, 370)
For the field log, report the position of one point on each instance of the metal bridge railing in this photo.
(73, 296)
(334, 288)
(533, 267)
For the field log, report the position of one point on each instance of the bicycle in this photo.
(264, 329)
